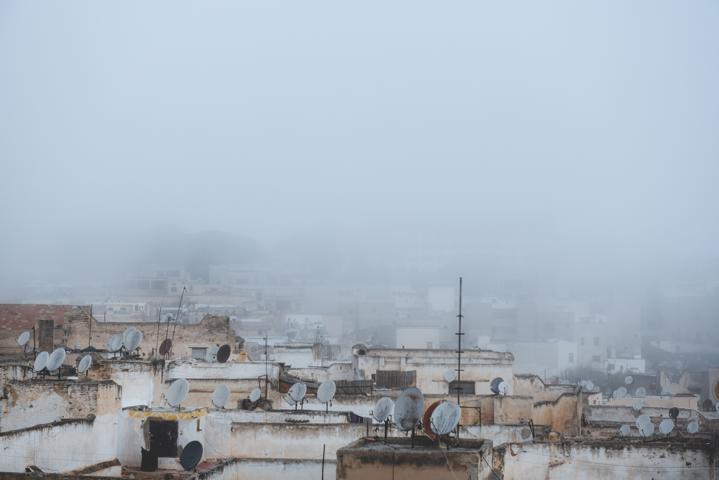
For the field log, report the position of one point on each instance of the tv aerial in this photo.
(223, 353)
(381, 412)
(693, 427)
(504, 389)
(165, 347)
(40, 362)
(674, 413)
(54, 361)
(255, 395)
(666, 426)
(624, 430)
(220, 396)
(637, 404)
(211, 354)
(297, 393)
(326, 392)
(131, 339)
(177, 392)
(445, 418)
(114, 343)
(620, 393)
(640, 392)
(23, 340)
(494, 385)
(191, 455)
(408, 409)
(85, 364)
(645, 425)
(628, 380)
(449, 376)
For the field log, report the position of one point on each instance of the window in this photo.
(596, 358)
(596, 341)
(610, 367)
(465, 388)
(571, 357)
(199, 353)
(395, 379)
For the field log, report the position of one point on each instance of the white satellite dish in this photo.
(382, 409)
(326, 391)
(297, 392)
(445, 417)
(290, 401)
(85, 364)
(55, 360)
(666, 426)
(620, 393)
(40, 361)
(23, 338)
(643, 420)
(647, 430)
(716, 406)
(255, 395)
(177, 392)
(408, 409)
(220, 396)
(624, 430)
(449, 376)
(505, 389)
(211, 355)
(131, 339)
(628, 380)
(640, 392)
(693, 426)
(637, 404)
(114, 343)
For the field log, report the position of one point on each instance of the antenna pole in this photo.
(157, 334)
(459, 350)
(323, 461)
(267, 375)
(177, 317)
(89, 330)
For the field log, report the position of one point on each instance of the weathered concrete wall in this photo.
(15, 371)
(608, 460)
(512, 410)
(267, 469)
(679, 401)
(32, 402)
(334, 371)
(61, 447)
(560, 415)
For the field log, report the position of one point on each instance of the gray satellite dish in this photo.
(666, 426)
(211, 355)
(40, 361)
(297, 392)
(628, 380)
(326, 391)
(382, 409)
(191, 455)
(624, 430)
(290, 401)
(494, 385)
(55, 360)
(177, 392)
(693, 426)
(647, 430)
(449, 376)
(220, 396)
(114, 343)
(23, 338)
(643, 420)
(445, 417)
(131, 339)
(85, 364)
(504, 389)
(255, 395)
(640, 392)
(620, 393)
(637, 404)
(525, 433)
(408, 409)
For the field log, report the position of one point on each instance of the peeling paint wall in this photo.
(273, 469)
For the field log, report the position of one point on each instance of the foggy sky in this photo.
(525, 135)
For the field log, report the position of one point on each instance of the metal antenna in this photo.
(267, 376)
(177, 317)
(459, 350)
(157, 334)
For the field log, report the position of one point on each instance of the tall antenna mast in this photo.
(267, 375)
(459, 349)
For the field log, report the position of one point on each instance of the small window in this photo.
(465, 388)
(610, 367)
(199, 353)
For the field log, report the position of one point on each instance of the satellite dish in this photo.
(445, 417)
(220, 396)
(427, 422)
(504, 389)
(647, 430)
(297, 392)
(177, 392)
(449, 376)
(211, 354)
(628, 380)
(255, 395)
(494, 385)
(326, 391)
(191, 455)
(408, 409)
(643, 420)
(525, 433)
(40, 361)
(23, 338)
(666, 426)
(716, 406)
(55, 360)
(223, 353)
(673, 413)
(85, 364)
(637, 404)
(114, 343)
(624, 430)
(640, 392)
(620, 393)
(131, 339)
(290, 401)
(126, 335)
(693, 426)
(165, 346)
(382, 409)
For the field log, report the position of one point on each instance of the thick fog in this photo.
(572, 146)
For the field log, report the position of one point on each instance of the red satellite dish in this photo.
(426, 422)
